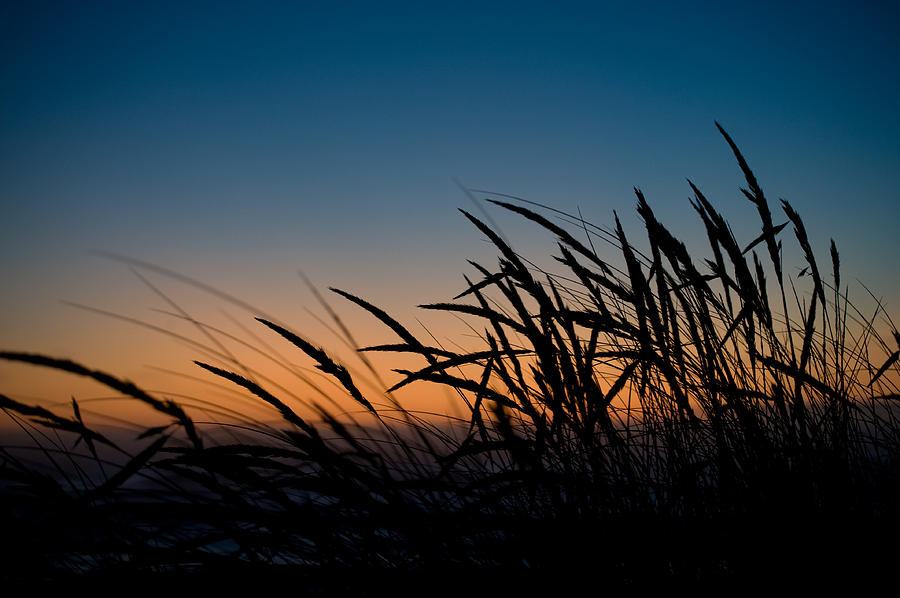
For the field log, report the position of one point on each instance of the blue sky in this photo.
(239, 142)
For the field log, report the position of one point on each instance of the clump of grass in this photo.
(642, 414)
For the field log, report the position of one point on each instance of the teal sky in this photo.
(240, 142)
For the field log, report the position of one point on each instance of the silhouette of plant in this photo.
(644, 416)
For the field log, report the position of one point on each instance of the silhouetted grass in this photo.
(641, 417)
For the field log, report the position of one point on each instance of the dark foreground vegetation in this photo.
(642, 417)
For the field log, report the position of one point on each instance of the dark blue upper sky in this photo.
(238, 141)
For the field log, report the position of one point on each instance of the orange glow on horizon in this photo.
(157, 352)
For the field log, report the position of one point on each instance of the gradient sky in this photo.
(240, 142)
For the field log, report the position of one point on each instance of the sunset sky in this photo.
(237, 143)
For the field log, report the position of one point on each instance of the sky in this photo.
(239, 143)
